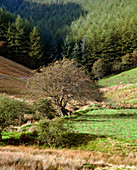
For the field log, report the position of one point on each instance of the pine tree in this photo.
(16, 38)
(5, 18)
(35, 46)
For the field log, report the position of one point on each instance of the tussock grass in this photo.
(32, 158)
(127, 77)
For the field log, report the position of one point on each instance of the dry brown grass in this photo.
(33, 158)
(11, 68)
(126, 94)
(12, 86)
(11, 75)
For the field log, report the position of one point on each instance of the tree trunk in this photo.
(64, 111)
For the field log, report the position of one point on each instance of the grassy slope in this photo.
(11, 76)
(108, 122)
(125, 95)
(121, 88)
(114, 124)
(127, 77)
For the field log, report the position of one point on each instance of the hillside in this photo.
(121, 88)
(12, 76)
(72, 28)
(104, 134)
(126, 77)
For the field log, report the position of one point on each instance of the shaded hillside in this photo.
(12, 77)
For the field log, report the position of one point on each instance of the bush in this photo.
(11, 105)
(99, 68)
(116, 67)
(43, 108)
(11, 112)
(129, 60)
(52, 132)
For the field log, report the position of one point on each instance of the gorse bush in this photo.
(52, 132)
(11, 112)
(43, 108)
(8, 105)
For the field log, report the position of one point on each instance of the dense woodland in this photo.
(41, 31)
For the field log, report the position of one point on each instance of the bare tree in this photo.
(62, 81)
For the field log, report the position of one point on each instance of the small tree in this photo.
(35, 46)
(99, 68)
(62, 81)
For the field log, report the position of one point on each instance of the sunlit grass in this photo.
(108, 122)
(33, 158)
(125, 95)
(127, 77)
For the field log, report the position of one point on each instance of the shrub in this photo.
(52, 132)
(126, 63)
(129, 60)
(116, 67)
(134, 58)
(43, 108)
(99, 68)
(11, 112)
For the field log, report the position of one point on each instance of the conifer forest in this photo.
(37, 32)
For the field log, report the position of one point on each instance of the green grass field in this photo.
(127, 77)
(108, 122)
(109, 130)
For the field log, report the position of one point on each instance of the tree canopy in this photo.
(62, 81)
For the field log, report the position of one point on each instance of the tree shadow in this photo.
(104, 117)
(70, 140)
(24, 139)
(87, 120)
(97, 95)
(77, 139)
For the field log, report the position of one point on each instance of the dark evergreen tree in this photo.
(5, 18)
(16, 39)
(35, 46)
